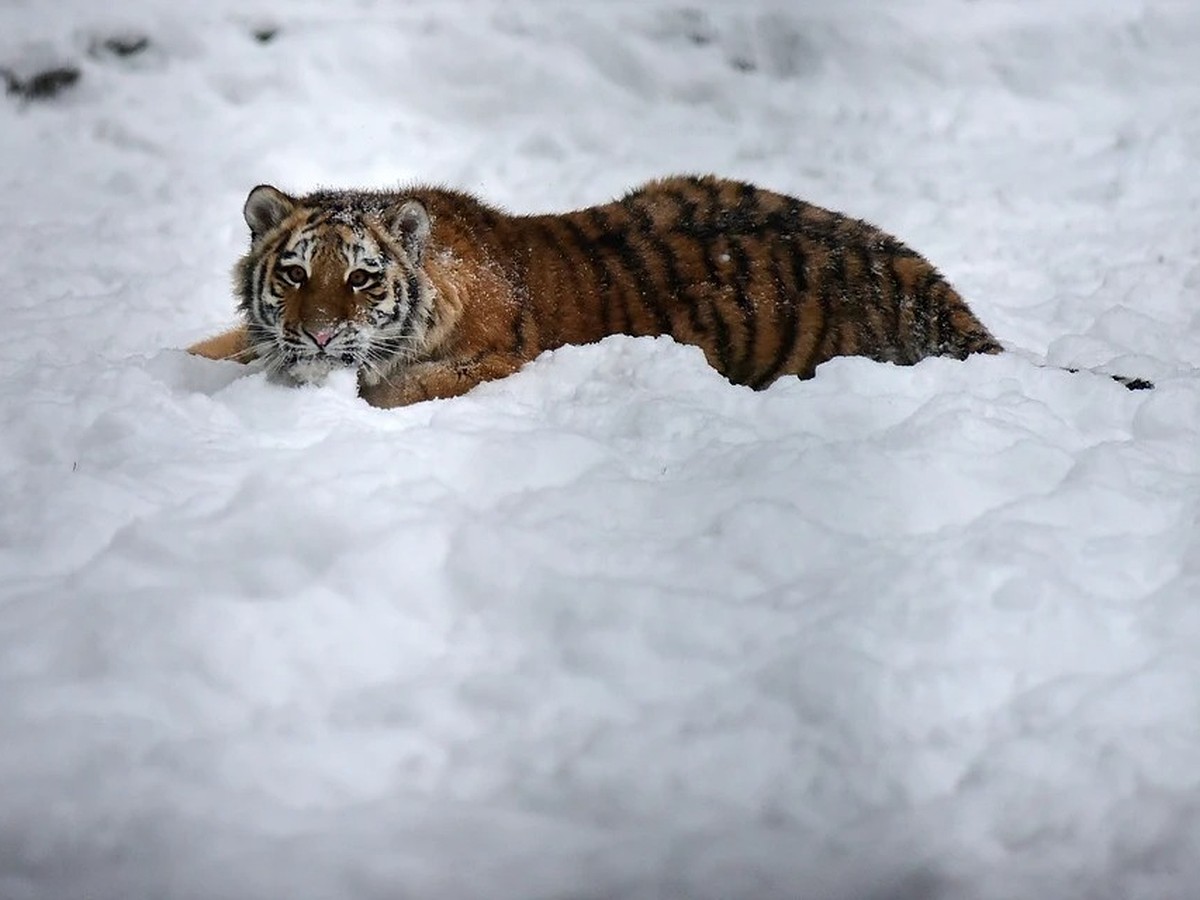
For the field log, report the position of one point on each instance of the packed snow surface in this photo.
(612, 627)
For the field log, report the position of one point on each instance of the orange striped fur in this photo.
(428, 292)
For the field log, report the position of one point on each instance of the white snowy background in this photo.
(610, 629)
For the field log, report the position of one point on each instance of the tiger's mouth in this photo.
(303, 356)
(308, 355)
(312, 365)
(315, 368)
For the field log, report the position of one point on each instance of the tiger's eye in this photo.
(358, 278)
(295, 274)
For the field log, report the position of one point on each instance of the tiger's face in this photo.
(332, 282)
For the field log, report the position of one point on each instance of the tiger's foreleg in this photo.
(233, 344)
(438, 380)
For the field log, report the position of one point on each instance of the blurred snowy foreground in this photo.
(610, 629)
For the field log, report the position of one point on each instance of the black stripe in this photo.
(676, 288)
(519, 339)
(724, 346)
(403, 304)
(412, 286)
(262, 288)
(617, 238)
(905, 339)
(251, 283)
(414, 304)
(400, 295)
(600, 270)
(787, 221)
(575, 290)
(884, 340)
(893, 247)
(638, 240)
(705, 233)
(788, 298)
(700, 224)
(820, 225)
(264, 263)
(747, 216)
(712, 215)
(741, 285)
(685, 210)
(701, 233)
(830, 300)
(937, 315)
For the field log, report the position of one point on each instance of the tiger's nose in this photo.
(322, 336)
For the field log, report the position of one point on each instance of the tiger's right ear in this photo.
(410, 223)
(265, 208)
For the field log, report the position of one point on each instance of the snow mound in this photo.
(611, 627)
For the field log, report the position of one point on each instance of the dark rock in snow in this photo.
(42, 85)
(121, 45)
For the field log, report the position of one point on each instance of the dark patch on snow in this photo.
(696, 27)
(1131, 382)
(781, 45)
(41, 85)
(1135, 384)
(120, 45)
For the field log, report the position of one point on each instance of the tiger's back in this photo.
(458, 292)
(766, 284)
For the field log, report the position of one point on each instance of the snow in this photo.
(611, 627)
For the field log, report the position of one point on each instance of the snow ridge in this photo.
(611, 627)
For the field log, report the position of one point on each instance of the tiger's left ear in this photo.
(411, 225)
(266, 208)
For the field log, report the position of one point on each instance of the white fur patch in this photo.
(314, 370)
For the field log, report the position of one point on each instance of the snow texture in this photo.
(612, 628)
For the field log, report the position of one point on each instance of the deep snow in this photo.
(610, 628)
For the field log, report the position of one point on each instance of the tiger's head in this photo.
(334, 279)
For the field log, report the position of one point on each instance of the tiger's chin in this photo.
(315, 370)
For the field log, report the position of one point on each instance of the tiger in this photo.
(427, 292)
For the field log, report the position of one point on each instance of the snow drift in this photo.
(613, 627)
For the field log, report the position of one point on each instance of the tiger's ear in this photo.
(410, 223)
(265, 208)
